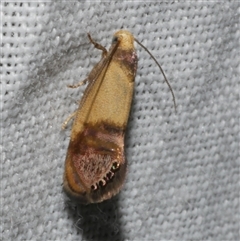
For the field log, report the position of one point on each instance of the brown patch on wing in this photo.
(97, 159)
(127, 59)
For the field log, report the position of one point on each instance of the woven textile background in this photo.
(183, 173)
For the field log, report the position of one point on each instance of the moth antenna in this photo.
(165, 78)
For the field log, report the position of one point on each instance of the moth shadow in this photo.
(97, 222)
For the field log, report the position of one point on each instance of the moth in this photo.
(95, 166)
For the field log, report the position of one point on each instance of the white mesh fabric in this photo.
(183, 173)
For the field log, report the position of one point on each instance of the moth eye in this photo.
(115, 166)
(115, 39)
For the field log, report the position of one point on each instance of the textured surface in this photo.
(183, 175)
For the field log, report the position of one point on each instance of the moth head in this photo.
(125, 40)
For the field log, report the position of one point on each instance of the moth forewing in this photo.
(95, 166)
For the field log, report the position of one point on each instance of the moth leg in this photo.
(90, 77)
(64, 124)
(98, 46)
(92, 74)
(83, 82)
